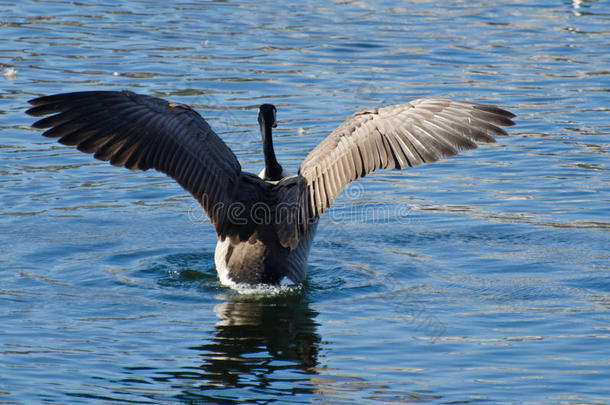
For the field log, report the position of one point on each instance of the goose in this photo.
(265, 223)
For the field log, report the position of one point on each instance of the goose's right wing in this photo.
(396, 136)
(143, 132)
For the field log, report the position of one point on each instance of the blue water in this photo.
(483, 278)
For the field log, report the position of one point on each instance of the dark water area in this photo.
(483, 278)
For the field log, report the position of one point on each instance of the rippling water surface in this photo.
(479, 279)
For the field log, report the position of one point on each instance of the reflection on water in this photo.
(265, 343)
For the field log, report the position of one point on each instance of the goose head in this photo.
(266, 119)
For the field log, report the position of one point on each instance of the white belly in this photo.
(247, 262)
(221, 265)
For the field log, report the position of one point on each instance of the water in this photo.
(479, 279)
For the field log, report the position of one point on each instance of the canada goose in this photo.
(265, 223)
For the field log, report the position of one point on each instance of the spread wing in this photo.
(143, 132)
(396, 136)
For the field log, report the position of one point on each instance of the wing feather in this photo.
(143, 132)
(396, 136)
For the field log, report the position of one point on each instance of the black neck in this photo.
(273, 170)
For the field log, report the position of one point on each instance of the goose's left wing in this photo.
(143, 132)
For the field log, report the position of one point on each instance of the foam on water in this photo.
(264, 290)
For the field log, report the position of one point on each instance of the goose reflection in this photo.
(261, 342)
